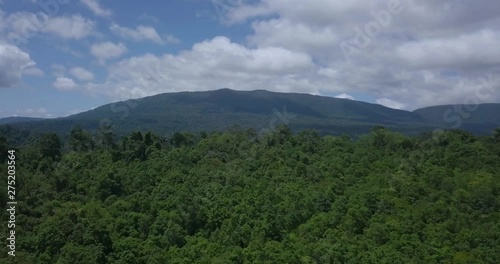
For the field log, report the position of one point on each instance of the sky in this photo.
(61, 57)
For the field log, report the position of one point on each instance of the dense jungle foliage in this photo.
(240, 197)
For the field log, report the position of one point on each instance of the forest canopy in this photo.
(240, 197)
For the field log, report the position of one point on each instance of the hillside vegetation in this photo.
(479, 119)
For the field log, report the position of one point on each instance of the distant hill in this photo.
(14, 120)
(477, 119)
(221, 109)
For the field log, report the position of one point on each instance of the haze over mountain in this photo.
(15, 119)
(475, 118)
(262, 110)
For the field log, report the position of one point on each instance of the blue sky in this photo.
(59, 57)
(186, 22)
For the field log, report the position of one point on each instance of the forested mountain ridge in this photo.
(479, 119)
(14, 120)
(261, 110)
(220, 109)
(241, 197)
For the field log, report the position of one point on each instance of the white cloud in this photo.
(96, 8)
(107, 50)
(12, 63)
(390, 103)
(296, 36)
(2, 22)
(211, 64)
(168, 38)
(21, 26)
(81, 74)
(450, 40)
(345, 96)
(423, 53)
(33, 71)
(75, 27)
(328, 72)
(64, 84)
(318, 12)
(142, 33)
(470, 50)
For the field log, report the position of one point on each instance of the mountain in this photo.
(221, 109)
(477, 119)
(14, 120)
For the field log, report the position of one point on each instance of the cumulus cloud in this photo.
(64, 84)
(33, 71)
(428, 52)
(21, 26)
(295, 36)
(211, 64)
(469, 50)
(96, 8)
(142, 33)
(107, 50)
(13, 62)
(24, 25)
(2, 23)
(81, 74)
(408, 56)
(75, 27)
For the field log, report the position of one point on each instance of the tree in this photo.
(3, 149)
(50, 146)
(380, 137)
(231, 199)
(496, 135)
(136, 136)
(178, 139)
(148, 139)
(81, 140)
(106, 138)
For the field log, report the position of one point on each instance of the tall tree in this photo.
(3, 149)
(496, 135)
(81, 140)
(50, 146)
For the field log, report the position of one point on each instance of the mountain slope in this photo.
(220, 109)
(478, 119)
(14, 120)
